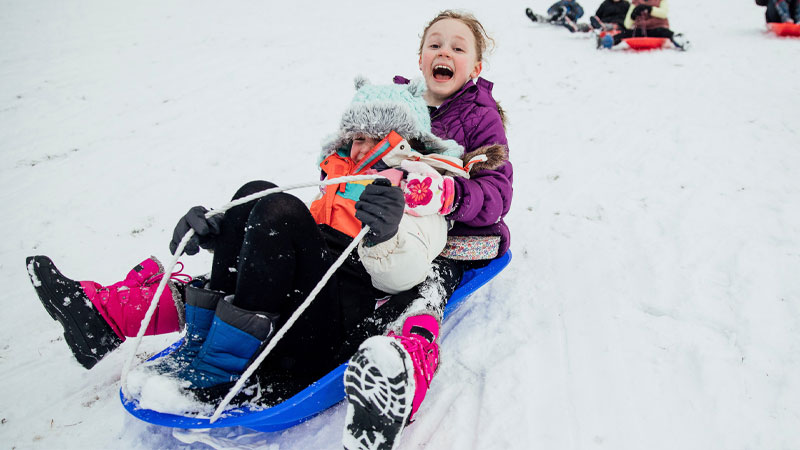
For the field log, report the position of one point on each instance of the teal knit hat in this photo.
(378, 109)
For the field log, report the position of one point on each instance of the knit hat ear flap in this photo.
(360, 81)
(417, 87)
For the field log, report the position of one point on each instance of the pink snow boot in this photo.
(419, 338)
(386, 381)
(96, 319)
(124, 304)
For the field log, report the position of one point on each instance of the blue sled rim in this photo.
(316, 398)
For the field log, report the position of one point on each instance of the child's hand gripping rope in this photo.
(380, 208)
(206, 229)
(640, 10)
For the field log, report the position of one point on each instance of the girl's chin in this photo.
(443, 90)
(443, 83)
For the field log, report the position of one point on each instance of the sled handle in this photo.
(182, 244)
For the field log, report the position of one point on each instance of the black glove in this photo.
(639, 10)
(205, 230)
(380, 207)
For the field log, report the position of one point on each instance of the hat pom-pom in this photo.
(360, 81)
(417, 87)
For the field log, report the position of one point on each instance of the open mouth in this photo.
(442, 73)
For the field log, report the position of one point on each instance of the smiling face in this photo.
(362, 144)
(448, 59)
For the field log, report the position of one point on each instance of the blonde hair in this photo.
(482, 39)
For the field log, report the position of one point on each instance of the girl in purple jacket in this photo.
(462, 109)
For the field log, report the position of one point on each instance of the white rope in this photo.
(179, 250)
(151, 309)
(292, 319)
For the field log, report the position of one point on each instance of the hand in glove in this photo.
(205, 230)
(381, 208)
(639, 10)
(426, 191)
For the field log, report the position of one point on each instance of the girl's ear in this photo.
(477, 70)
(420, 62)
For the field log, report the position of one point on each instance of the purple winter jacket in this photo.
(470, 118)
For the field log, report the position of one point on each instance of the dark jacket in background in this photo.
(613, 12)
(571, 9)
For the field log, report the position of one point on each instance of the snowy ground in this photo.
(654, 297)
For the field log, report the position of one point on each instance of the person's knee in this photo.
(252, 187)
(277, 206)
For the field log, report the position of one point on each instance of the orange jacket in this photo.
(337, 206)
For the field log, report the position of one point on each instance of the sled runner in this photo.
(785, 29)
(312, 400)
(645, 43)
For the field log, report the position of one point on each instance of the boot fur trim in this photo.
(176, 295)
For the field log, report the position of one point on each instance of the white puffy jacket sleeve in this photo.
(403, 261)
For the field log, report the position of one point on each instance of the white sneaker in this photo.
(379, 383)
(680, 42)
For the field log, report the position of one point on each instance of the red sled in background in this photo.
(785, 29)
(645, 43)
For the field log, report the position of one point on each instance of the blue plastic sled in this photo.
(309, 402)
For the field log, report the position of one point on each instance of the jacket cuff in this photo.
(380, 250)
(457, 190)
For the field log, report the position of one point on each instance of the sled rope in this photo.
(292, 319)
(179, 250)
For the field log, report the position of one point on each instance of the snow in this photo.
(654, 296)
(162, 393)
(34, 279)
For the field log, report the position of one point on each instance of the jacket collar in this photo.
(479, 91)
(481, 88)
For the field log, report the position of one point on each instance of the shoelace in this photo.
(424, 354)
(177, 276)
